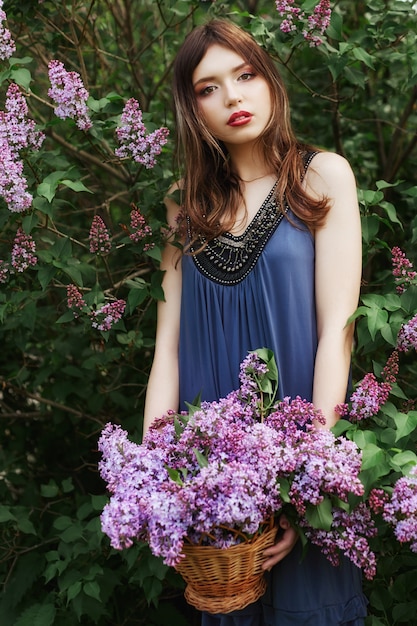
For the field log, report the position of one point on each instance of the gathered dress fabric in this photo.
(242, 293)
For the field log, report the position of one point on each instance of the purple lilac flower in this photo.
(401, 510)
(377, 500)
(402, 271)
(349, 535)
(202, 476)
(16, 134)
(391, 368)
(140, 229)
(23, 252)
(407, 336)
(99, 237)
(75, 301)
(311, 27)
(70, 95)
(134, 142)
(4, 271)
(367, 399)
(7, 45)
(107, 315)
(317, 23)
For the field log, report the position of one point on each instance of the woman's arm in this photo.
(338, 275)
(163, 386)
(337, 279)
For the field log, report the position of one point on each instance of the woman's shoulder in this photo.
(328, 172)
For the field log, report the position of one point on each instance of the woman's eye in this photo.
(246, 76)
(207, 90)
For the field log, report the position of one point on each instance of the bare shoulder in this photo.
(329, 174)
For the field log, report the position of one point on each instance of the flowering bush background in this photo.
(85, 159)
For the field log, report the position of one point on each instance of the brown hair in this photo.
(210, 190)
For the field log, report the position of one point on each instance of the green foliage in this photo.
(62, 380)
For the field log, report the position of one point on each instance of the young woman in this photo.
(272, 258)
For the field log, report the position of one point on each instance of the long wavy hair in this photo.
(211, 192)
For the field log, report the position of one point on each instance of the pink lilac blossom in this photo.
(23, 252)
(4, 271)
(7, 45)
(134, 142)
(70, 95)
(348, 535)
(107, 315)
(99, 237)
(402, 271)
(17, 133)
(75, 301)
(202, 476)
(407, 336)
(391, 368)
(401, 510)
(140, 229)
(367, 399)
(311, 27)
(377, 499)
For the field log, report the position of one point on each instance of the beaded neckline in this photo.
(228, 259)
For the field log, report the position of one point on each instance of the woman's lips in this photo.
(239, 119)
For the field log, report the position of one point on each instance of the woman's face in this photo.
(233, 99)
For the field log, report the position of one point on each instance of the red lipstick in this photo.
(239, 118)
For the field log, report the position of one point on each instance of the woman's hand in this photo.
(283, 546)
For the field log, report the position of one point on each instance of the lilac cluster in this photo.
(99, 237)
(348, 535)
(134, 142)
(17, 133)
(23, 252)
(75, 301)
(367, 399)
(70, 95)
(407, 336)
(4, 271)
(217, 472)
(401, 509)
(7, 45)
(140, 229)
(107, 315)
(402, 271)
(312, 27)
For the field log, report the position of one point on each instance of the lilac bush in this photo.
(229, 466)
(7, 45)
(401, 509)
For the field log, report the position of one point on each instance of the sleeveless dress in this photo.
(242, 293)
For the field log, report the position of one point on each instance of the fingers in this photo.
(283, 547)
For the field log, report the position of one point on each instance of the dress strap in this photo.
(307, 158)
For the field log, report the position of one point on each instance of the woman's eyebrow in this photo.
(209, 78)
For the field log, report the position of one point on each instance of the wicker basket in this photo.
(223, 580)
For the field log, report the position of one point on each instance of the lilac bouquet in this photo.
(214, 475)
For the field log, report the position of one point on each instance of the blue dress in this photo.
(242, 293)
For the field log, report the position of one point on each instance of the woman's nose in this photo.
(232, 95)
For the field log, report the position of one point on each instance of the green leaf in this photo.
(22, 77)
(320, 516)
(73, 591)
(401, 459)
(201, 459)
(37, 615)
(50, 490)
(361, 55)
(406, 423)
(92, 589)
(5, 514)
(76, 185)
